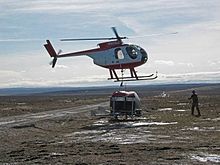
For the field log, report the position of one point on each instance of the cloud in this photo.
(190, 77)
(20, 81)
(163, 62)
(122, 7)
(9, 74)
(195, 49)
(62, 66)
(214, 63)
(20, 40)
(185, 64)
(172, 63)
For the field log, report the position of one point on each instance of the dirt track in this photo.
(166, 134)
(31, 118)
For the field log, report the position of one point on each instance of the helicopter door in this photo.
(118, 55)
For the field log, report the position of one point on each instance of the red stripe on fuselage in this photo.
(102, 47)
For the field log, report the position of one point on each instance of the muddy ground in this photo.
(62, 130)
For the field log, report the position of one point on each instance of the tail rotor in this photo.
(52, 53)
(53, 62)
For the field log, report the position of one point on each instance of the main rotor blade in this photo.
(86, 39)
(151, 35)
(116, 33)
(91, 39)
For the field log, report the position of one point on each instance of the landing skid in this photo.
(120, 78)
(139, 78)
(133, 77)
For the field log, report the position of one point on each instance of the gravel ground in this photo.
(61, 130)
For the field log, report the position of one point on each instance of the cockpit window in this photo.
(119, 54)
(132, 51)
(144, 55)
(143, 52)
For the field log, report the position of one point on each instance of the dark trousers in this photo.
(197, 108)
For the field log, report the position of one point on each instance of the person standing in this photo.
(195, 103)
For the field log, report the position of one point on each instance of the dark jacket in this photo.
(194, 98)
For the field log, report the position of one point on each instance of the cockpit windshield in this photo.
(132, 51)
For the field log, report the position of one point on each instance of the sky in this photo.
(191, 55)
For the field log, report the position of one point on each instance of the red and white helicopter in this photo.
(113, 55)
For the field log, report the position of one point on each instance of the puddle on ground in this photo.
(165, 109)
(54, 154)
(91, 132)
(201, 129)
(180, 110)
(170, 109)
(7, 122)
(215, 119)
(206, 158)
(121, 132)
(183, 104)
(21, 103)
(152, 123)
(41, 116)
(100, 122)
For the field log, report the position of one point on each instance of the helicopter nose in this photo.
(144, 55)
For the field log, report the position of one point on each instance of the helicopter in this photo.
(112, 55)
